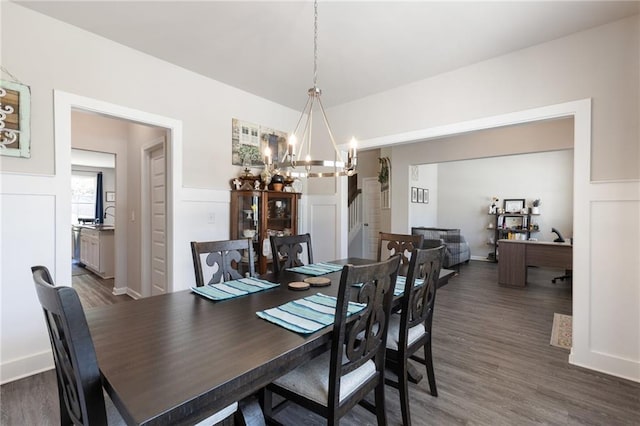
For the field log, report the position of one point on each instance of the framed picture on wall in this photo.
(514, 222)
(425, 198)
(420, 195)
(514, 205)
(414, 194)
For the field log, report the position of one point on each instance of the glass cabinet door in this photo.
(247, 213)
(280, 211)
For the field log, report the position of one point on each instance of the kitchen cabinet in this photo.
(97, 250)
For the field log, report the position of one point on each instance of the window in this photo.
(83, 195)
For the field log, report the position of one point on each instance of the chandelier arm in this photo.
(333, 141)
(306, 105)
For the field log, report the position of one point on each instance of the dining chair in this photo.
(403, 244)
(286, 251)
(223, 260)
(410, 329)
(338, 379)
(80, 391)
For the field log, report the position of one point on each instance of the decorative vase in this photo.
(277, 181)
(535, 210)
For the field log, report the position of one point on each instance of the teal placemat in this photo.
(307, 315)
(400, 283)
(316, 268)
(235, 288)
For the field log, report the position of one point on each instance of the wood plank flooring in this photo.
(494, 366)
(93, 290)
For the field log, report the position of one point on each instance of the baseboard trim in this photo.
(27, 366)
(133, 294)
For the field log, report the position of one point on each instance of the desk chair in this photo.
(79, 382)
(399, 244)
(224, 258)
(335, 381)
(410, 329)
(286, 251)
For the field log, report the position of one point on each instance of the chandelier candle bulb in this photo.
(267, 156)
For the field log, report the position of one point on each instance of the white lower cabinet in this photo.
(97, 251)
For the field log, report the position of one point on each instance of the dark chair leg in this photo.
(381, 412)
(249, 413)
(403, 389)
(266, 402)
(430, 372)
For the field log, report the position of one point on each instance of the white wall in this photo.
(421, 214)
(466, 188)
(601, 66)
(52, 55)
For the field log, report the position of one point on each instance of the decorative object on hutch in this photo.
(292, 158)
(258, 215)
(15, 117)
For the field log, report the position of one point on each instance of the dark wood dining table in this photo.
(178, 358)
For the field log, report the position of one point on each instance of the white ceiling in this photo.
(365, 47)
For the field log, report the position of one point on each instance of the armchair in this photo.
(457, 249)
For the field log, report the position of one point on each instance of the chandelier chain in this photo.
(315, 44)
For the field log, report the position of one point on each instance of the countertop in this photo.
(96, 227)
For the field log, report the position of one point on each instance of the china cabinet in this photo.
(260, 214)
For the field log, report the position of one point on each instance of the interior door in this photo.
(157, 203)
(370, 216)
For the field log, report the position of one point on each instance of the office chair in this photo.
(567, 273)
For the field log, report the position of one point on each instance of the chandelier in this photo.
(299, 143)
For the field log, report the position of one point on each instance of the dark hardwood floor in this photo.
(93, 290)
(493, 362)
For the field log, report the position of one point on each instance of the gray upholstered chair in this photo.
(402, 244)
(79, 382)
(334, 382)
(286, 251)
(223, 259)
(410, 329)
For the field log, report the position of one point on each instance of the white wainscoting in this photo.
(204, 216)
(610, 342)
(29, 236)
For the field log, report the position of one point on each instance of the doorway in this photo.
(128, 223)
(371, 220)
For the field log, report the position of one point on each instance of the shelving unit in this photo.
(263, 213)
(511, 226)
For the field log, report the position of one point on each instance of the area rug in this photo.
(561, 331)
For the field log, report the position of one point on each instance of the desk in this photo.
(516, 256)
(178, 358)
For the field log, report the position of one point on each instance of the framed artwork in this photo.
(15, 119)
(513, 205)
(425, 199)
(248, 142)
(414, 194)
(420, 195)
(514, 222)
(110, 197)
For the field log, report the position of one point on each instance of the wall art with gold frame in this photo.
(15, 119)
